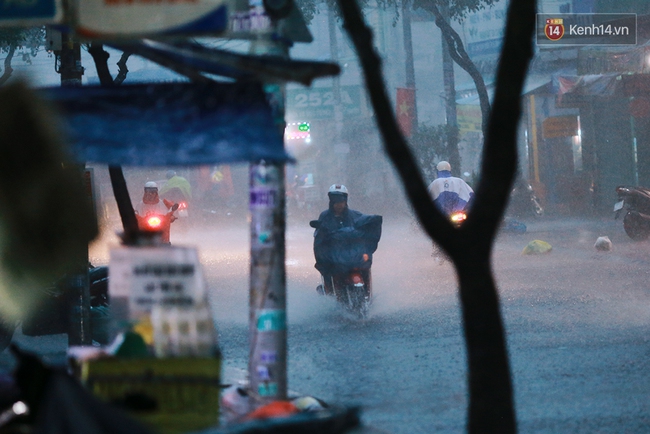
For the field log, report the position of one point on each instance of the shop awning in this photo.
(169, 124)
(532, 85)
(591, 85)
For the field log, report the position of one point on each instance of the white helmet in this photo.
(443, 165)
(151, 184)
(338, 189)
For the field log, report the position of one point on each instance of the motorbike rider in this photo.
(152, 205)
(344, 238)
(449, 193)
(177, 189)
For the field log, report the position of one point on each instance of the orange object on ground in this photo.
(274, 409)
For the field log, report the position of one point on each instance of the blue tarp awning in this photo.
(169, 124)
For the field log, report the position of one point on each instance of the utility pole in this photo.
(339, 153)
(408, 50)
(450, 100)
(70, 64)
(77, 284)
(267, 363)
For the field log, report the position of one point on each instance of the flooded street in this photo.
(576, 321)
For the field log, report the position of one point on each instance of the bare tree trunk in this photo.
(100, 56)
(491, 407)
(460, 56)
(450, 101)
(8, 69)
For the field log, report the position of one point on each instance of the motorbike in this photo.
(347, 277)
(351, 289)
(175, 195)
(524, 201)
(158, 222)
(634, 204)
(301, 197)
(458, 218)
(53, 314)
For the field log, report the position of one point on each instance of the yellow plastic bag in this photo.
(537, 247)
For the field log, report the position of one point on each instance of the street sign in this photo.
(560, 126)
(318, 103)
(483, 31)
(26, 13)
(249, 19)
(469, 118)
(129, 18)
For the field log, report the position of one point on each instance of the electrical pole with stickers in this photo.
(267, 365)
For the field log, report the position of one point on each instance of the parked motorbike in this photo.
(53, 314)
(524, 202)
(634, 204)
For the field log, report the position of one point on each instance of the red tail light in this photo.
(182, 205)
(154, 222)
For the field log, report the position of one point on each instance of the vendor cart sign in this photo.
(148, 276)
(111, 18)
(30, 12)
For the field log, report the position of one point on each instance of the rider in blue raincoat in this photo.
(449, 193)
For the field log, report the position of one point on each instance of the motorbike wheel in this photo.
(358, 303)
(635, 227)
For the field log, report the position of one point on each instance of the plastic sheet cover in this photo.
(341, 249)
(169, 124)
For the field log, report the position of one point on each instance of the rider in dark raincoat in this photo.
(344, 240)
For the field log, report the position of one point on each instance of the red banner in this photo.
(406, 117)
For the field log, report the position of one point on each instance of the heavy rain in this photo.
(569, 257)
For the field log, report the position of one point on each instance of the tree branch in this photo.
(433, 221)
(460, 56)
(499, 162)
(100, 56)
(491, 406)
(8, 69)
(123, 70)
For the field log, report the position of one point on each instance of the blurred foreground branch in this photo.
(491, 406)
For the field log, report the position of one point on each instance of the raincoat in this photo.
(177, 182)
(346, 242)
(449, 193)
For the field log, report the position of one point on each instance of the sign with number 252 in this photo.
(320, 103)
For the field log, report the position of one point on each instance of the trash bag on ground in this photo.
(537, 247)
